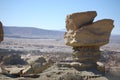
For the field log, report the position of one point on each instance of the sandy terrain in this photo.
(55, 49)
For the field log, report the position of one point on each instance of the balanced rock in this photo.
(1, 32)
(94, 34)
(77, 20)
(86, 37)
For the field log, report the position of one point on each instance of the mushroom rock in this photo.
(95, 34)
(86, 36)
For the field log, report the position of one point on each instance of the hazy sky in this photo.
(51, 14)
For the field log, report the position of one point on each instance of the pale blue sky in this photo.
(51, 14)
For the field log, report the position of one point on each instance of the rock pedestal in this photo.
(89, 54)
(86, 37)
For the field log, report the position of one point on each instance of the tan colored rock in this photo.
(1, 32)
(12, 59)
(11, 70)
(101, 67)
(37, 67)
(76, 20)
(86, 37)
(89, 54)
(96, 34)
(32, 70)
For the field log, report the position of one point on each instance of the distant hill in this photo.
(115, 39)
(30, 32)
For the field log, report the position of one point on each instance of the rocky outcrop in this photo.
(13, 59)
(64, 73)
(1, 32)
(76, 20)
(31, 70)
(36, 67)
(92, 34)
(86, 37)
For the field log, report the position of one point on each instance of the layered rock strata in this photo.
(86, 36)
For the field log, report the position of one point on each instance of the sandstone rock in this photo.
(89, 54)
(86, 37)
(77, 20)
(1, 32)
(36, 67)
(95, 34)
(65, 73)
(31, 70)
(101, 67)
(11, 70)
(75, 64)
(13, 59)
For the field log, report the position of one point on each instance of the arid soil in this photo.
(56, 50)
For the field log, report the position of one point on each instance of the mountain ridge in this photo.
(31, 32)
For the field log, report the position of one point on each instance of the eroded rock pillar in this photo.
(86, 53)
(86, 37)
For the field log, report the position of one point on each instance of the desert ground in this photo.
(56, 50)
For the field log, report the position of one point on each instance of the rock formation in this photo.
(13, 59)
(32, 70)
(1, 32)
(37, 66)
(86, 37)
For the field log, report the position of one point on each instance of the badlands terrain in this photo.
(51, 45)
(56, 50)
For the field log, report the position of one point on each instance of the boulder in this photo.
(37, 67)
(13, 59)
(77, 20)
(31, 70)
(95, 34)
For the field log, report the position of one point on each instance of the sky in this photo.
(51, 14)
